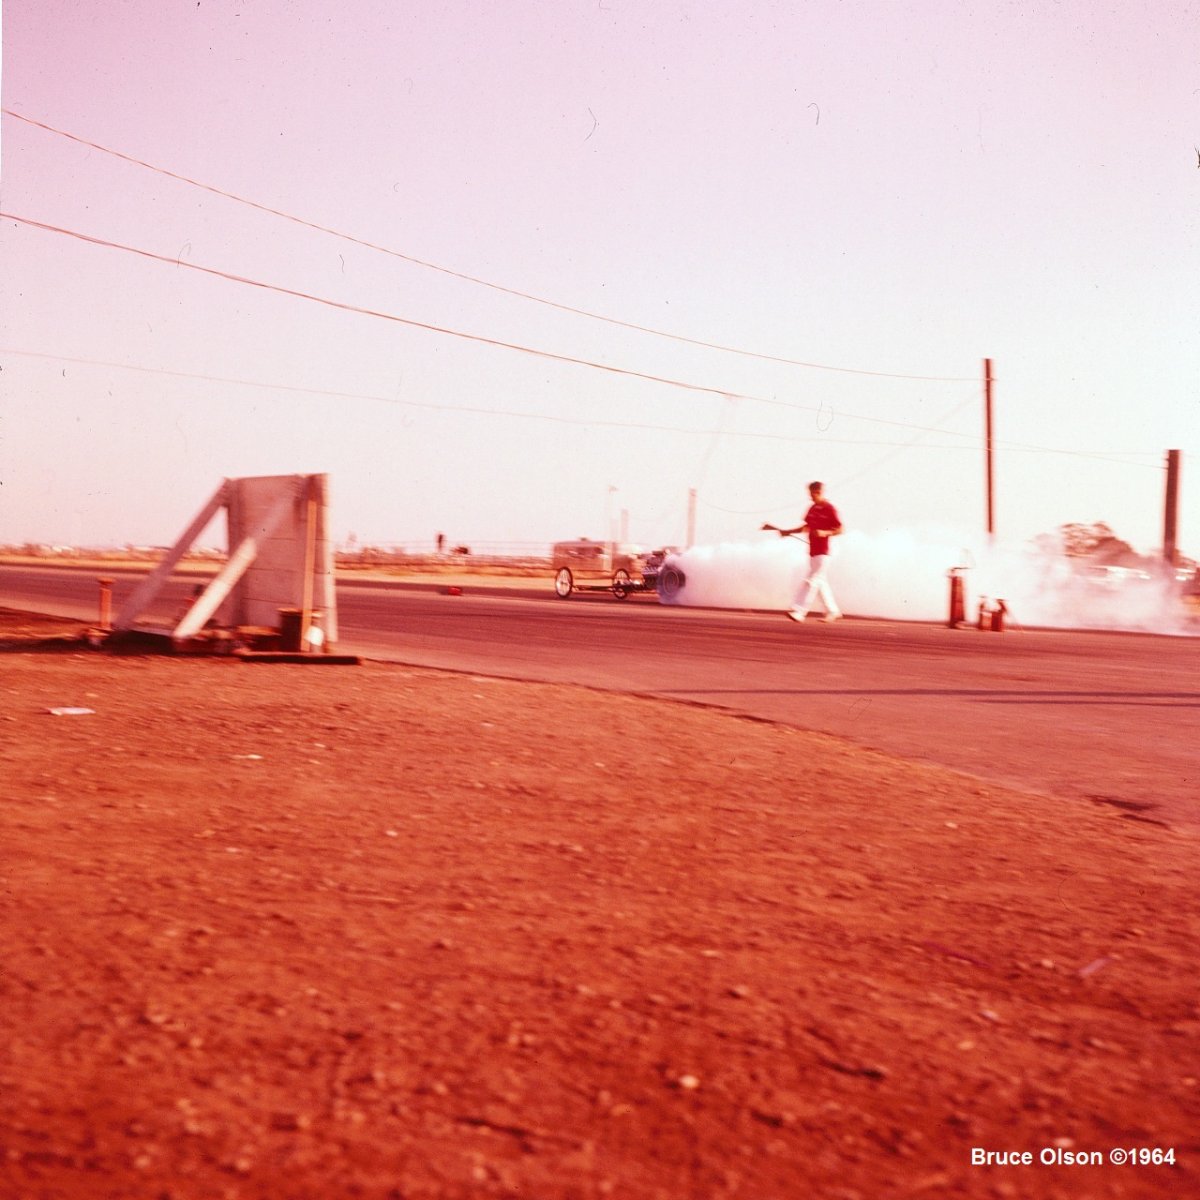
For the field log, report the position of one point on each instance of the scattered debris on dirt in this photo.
(388, 932)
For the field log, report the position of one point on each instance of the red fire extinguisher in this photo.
(958, 605)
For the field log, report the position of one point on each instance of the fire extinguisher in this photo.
(958, 608)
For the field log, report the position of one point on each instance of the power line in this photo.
(564, 358)
(872, 466)
(412, 322)
(475, 410)
(478, 410)
(581, 312)
(897, 449)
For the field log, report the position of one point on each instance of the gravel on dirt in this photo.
(385, 932)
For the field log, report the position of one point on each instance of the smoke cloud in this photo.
(904, 575)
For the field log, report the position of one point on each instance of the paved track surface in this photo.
(1110, 719)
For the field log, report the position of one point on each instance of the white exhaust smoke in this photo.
(904, 575)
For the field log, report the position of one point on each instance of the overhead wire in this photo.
(439, 406)
(728, 395)
(360, 310)
(792, 502)
(912, 444)
(729, 398)
(576, 311)
(479, 410)
(724, 393)
(706, 459)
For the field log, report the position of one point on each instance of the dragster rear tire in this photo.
(670, 582)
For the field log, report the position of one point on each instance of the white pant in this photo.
(817, 585)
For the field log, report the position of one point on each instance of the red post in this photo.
(105, 603)
(958, 607)
(987, 405)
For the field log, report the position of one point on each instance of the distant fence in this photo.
(450, 548)
(388, 552)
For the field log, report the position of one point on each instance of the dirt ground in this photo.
(311, 932)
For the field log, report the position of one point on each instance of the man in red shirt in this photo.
(821, 522)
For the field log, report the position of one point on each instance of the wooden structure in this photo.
(279, 567)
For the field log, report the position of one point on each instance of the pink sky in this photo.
(894, 188)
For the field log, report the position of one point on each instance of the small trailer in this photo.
(617, 567)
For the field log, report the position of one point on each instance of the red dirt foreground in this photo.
(289, 932)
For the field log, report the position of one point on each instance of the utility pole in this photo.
(1171, 512)
(987, 417)
(691, 518)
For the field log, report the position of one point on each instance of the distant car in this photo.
(617, 567)
(1113, 577)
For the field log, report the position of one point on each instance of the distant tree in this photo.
(1096, 542)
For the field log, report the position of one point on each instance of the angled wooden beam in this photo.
(143, 595)
(239, 562)
(324, 582)
(310, 559)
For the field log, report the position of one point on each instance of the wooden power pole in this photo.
(987, 418)
(1171, 511)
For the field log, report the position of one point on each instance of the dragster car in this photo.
(617, 567)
